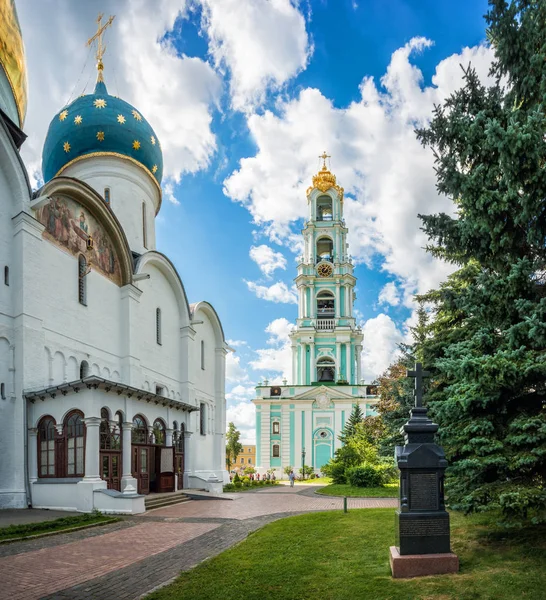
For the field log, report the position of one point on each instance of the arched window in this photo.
(178, 439)
(74, 430)
(107, 195)
(325, 249)
(159, 432)
(276, 451)
(276, 427)
(325, 304)
(158, 325)
(6, 275)
(324, 208)
(84, 369)
(3, 391)
(109, 440)
(82, 287)
(139, 435)
(203, 354)
(46, 447)
(202, 419)
(144, 227)
(326, 370)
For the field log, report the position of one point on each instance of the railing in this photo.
(327, 258)
(325, 324)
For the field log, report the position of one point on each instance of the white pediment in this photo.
(323, 395)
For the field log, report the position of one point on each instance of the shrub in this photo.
(236, 478)
(237, 484)
(335, 470)
(246, 480)
(229, 487)
(366, 475)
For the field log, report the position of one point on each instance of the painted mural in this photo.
(69, 225)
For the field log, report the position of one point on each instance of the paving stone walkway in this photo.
(127, 560)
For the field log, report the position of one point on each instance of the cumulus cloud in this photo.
(389, 294)
(278, 292)
(176, 94)
(380, 346)
(234, 371)
(243, 416)
(267, 259)
(387, 175)
(278, 357)
(262, 43)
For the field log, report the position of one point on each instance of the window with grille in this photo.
(276, 427)
(158, 325)
(276, 451)
(139, 434)
(107, 195)
(46, 447)
(82, 286)
(74, 440)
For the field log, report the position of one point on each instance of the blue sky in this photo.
(244, 95)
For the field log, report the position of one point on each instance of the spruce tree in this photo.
(487, 343)
(356, 417)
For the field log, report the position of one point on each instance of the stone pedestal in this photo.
(420, 565)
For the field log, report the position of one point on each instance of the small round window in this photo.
(323, 434)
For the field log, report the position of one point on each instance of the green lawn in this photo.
(30, 529)
(316, 481)
(387, 491)
(337, 556)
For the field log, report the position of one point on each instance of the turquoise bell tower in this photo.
(326, 344)
(299, 422)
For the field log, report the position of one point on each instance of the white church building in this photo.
(112, 385)
(299, 422)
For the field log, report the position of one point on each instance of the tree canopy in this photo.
(233, 445)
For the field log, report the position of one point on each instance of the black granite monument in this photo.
(422, 523)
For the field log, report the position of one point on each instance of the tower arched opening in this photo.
(324, 208)
(325, 304)
(326, 369)
(325, 249)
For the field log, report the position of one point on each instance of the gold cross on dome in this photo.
(101, 48)
(324, 156)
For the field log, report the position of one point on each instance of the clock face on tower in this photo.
(325, 270)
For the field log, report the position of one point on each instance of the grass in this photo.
(337, 556)
(30, 529)
(390, 490)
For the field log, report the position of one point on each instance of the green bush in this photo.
(366, 475)
(237, 484)
(335, 470)
(229, 487)
(246, 480)
(236, 478)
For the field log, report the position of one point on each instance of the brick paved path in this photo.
(130, 559)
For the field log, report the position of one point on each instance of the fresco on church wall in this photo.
(69, 225)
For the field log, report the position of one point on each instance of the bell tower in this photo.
(326, 344)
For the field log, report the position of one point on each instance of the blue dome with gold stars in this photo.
(99, 124)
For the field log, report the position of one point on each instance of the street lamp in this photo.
(303, 462)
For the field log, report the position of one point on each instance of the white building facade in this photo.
(112, 385)
(300, 423)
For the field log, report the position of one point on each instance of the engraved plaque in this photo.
(423, 527)
(423, 491)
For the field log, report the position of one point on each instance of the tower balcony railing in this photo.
(327, 258)
(325, 324)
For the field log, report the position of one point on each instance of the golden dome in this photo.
(12, 56)
(325, 179)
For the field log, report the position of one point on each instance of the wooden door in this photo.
(141, 468)
(179, 469)
(110, 469)
(164, 469)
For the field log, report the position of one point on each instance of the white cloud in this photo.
(236, 343)
(278, 357)
(278, 292)
(380, 346)
(388, 176)
(389, 294)
(176, 94)
(243, 416)
(234, 370)
(262, 43)
(267, 259)
(239, 393)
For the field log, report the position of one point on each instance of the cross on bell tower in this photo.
(101, 48)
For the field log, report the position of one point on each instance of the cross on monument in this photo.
(418, 373)
(101, 49)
